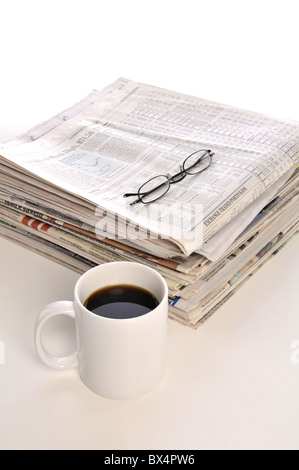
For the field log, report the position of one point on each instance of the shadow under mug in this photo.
(116, 358)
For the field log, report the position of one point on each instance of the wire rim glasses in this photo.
(155, 188)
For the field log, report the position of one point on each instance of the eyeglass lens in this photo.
(197, 162)
(153, 189)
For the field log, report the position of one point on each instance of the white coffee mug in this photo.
(117, 358)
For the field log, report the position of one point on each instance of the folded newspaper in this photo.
(211, 191)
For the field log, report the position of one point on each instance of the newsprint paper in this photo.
(62, 188)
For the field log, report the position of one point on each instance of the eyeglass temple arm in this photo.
(146, 193)
(140, 195)
(135, 194)
(130, 194)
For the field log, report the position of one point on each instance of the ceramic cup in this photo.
(116, 358)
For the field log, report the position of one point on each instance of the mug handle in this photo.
(62, 307)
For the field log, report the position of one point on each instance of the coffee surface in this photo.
(121, 302)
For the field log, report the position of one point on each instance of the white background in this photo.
(230, 384)
(243, 53)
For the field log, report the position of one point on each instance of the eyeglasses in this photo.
(157, 187)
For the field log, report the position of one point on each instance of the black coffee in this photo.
(121, 301)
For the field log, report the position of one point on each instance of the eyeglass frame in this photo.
(177, 178)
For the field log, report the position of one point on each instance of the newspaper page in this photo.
(117, 139)
(219, 295)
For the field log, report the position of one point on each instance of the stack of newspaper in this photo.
(225, 200)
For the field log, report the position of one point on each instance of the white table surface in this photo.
(231, 384)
